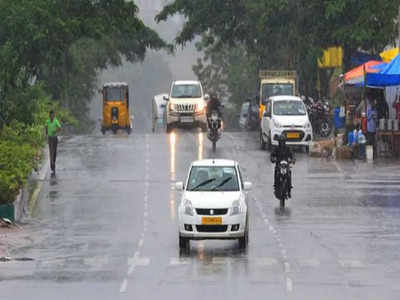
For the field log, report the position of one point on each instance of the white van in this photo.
(285, 114)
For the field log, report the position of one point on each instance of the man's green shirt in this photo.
(52, 126)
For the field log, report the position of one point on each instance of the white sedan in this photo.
(213, 204)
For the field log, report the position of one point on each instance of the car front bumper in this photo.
(177, 118)
(197, 228)
(305, 140)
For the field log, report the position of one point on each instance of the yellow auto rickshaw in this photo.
(116, 112)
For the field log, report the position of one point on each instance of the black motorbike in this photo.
(282, 185)
(214, 129)
(321, 122)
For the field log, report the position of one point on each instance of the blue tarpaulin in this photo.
(389, 76)
(359, 58)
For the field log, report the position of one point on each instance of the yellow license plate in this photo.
(293, 135)
(211, 220)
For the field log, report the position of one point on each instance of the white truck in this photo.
(186, 105)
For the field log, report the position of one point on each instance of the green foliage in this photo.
(229, 71)
(287, 34)
(21, 143)
(63, 44)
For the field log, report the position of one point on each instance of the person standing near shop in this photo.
(396, 106)
(52, 128)
(371, 125)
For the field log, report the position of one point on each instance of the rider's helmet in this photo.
(282, 140)
(213, 96)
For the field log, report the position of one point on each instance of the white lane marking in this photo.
(136, 260)
(220, 260)
(124, 285)
(289, 284)
(267, 261)
(347, 263)
(287, 267)
(175, 261)
(277, 238)
(312, 262)
(141, 243)
(96, 261)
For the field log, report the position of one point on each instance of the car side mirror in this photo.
(166, 98)
(206, 97)
(179, 186)
(247, 185)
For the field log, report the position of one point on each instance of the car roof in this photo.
(214, 162)
(115, 84)
(179, 82)
(288, 97)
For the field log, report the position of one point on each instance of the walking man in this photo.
(52, 128)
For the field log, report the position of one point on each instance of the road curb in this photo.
(27, 199)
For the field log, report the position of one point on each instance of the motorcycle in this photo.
(321, 122)
(215, 128)
(282, 185)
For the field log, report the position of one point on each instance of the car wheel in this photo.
(244, 241)
(269, 143)
(307, 149)
(263, 144)
(184, 243)
(169, 128)
(103, 131)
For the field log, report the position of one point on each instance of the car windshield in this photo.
(186, 91)
(289, 108)
(213, 178)
(276, 89)
(115, 93)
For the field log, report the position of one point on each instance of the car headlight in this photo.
(200, 107)
(277, 124)
(236, 208)
(171, 106)
(188, 208)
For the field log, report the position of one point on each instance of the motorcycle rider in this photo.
(214, 105)
(280, 153)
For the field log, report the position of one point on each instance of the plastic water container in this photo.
(390, 124)
(370, 153)
(396, 125)
(382, 124)
(337, 120)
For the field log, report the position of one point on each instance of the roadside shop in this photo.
(376, 83)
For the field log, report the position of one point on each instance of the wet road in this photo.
(106, 227)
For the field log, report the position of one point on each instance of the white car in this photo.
(288, 115)
(186, 105)
(213, 204)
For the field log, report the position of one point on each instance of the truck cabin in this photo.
(116, 92)
(277, 89)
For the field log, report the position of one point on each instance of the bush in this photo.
(21, 144)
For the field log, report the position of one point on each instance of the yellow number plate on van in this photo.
(293, 135)
(211, 220)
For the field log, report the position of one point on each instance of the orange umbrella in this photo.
(356, 75)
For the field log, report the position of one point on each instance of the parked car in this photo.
(248, 118)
